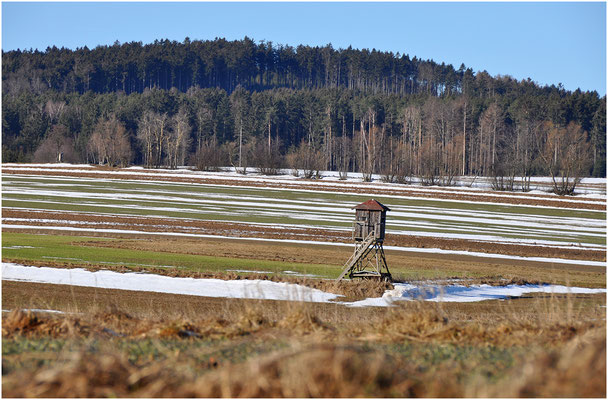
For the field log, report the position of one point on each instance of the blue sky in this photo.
(550, 43)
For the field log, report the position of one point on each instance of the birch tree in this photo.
(178, 139)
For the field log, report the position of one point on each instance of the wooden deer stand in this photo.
(368, 260)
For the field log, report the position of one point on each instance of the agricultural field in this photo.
(149, 283)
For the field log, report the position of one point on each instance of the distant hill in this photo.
(262, 91)
(132, 67)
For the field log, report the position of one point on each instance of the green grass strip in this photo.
(74, 250)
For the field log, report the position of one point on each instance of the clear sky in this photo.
(549, 42)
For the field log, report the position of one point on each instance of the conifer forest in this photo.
(263, 106)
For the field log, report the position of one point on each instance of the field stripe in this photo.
(396, 248)
(439, 218)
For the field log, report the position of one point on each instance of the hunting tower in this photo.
(368, 260)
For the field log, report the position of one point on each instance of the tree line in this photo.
(133, 67)
(217, 103)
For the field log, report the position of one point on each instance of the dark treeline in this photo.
(133, 67)
(217, 103)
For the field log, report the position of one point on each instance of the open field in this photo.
(296, 210)
(214, 256)
(93, 341)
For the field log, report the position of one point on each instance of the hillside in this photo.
(247, 104)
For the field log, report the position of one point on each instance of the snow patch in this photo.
(242, 289)
(262, 289)
(249, 271)
(462, 293)
(38, 310)
(294, 273)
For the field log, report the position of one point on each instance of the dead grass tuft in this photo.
(563, 355)
(359, 289)
(417, 321)
(99, 375)
(27, 323)
(18, 321)
(577, 370)
(181, 329)
(302, 321)
(546, 324)
(251, 319)
(318, 371)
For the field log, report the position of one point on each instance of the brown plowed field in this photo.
(337, 186)
(201, 227)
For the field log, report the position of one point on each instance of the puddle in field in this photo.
(464, 293)
(248, 271)
(299, 274)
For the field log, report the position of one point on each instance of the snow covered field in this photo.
(285, 208)
(261, 289)
(589, 187)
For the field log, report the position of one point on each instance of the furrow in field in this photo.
(476, 186)
(238, 208)
(31, 219)
(256, 203)
(327, 213)
(583, 260)
(31, 216)
(482, 228)
(332, 186)
(322, 235)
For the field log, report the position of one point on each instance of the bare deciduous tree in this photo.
(178, 139)
(306, 159)
(210, 156)
(57, 146)
(152, 134)
(204, 119)
(109, 143)
(160, 133)
(54, 109)
(268, 160)
(145, 137)
(565, 152)
(343, 154)
(239, 155)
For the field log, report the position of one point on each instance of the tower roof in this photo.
(372, 205)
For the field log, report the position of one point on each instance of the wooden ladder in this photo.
(361, 252)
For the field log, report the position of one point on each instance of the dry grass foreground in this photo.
(325, 350)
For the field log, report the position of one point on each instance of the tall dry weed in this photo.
(576, 370)
(27, 323)
(320, 371)
(547, 321)
(107, 374)
(302, 320)
(415, 321)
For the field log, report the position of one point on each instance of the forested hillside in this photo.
(247, 104)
